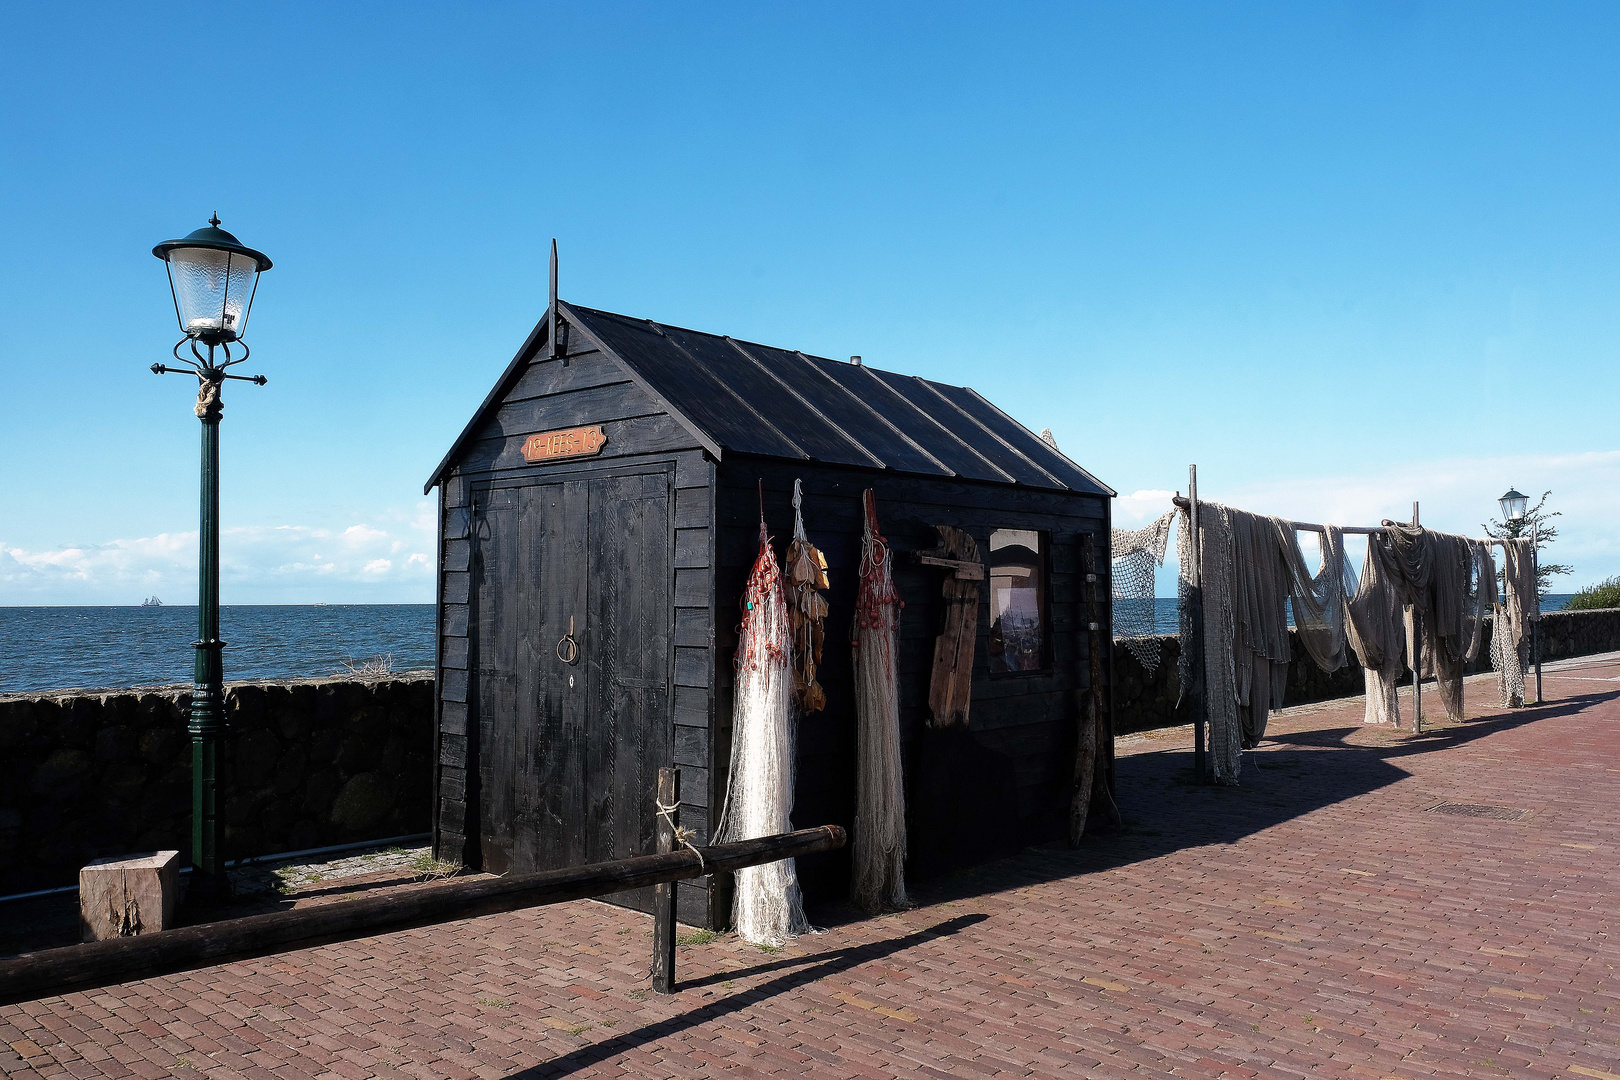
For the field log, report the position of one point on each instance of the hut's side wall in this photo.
(973, 794)
(590, 388)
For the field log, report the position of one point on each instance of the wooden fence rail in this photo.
(105, 963)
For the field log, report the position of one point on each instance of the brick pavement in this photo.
(1319, 920)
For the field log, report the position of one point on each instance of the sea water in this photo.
(57, 648)
(53, 648)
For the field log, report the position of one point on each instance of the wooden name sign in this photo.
(575, 442)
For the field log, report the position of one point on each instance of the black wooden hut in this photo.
(605, 499)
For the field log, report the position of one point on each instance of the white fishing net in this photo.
(768, 907)
(878, 859)
(1136, 555)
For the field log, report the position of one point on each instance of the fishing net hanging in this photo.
(806, 571)
(1511, 625)
(877, 873)
(1378, 633)
(1136, 554)
(768, 907)
(1444, 582)
(1252, 573)
(1215, 576)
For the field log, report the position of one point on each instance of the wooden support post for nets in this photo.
(1417, 654)
(1195, 620)
(669, 806)
(1535, 616)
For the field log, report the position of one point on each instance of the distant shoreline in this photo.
(51, 648)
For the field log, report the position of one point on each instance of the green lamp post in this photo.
(212, 278)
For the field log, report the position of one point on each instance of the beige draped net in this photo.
(1254, 575)
(1511, 626)
(1447, 583)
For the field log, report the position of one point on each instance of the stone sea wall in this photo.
(311, 763)
(1144, 701)
(304, 764)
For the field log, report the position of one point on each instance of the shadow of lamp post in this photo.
(212, 278)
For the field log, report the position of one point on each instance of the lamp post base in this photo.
(206, 890)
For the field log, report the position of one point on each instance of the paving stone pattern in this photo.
(1315, 921)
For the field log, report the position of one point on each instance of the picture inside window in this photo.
(1017, 601)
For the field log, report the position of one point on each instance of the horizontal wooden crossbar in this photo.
(106, 963)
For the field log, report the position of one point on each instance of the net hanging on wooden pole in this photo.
(768, 907)
(1510, 626)
(806, 571)
(877, 873)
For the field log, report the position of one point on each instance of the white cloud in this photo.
(258, 564)
(1135, 510)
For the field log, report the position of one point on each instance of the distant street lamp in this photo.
(1514, 506)
(212, 278)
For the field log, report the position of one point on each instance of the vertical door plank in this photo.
(494, 683)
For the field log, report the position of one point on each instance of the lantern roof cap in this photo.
(213, 237)
(1514, 493)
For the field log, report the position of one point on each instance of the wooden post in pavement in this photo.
(1195, 601)
(663, 965)
(1417, 655)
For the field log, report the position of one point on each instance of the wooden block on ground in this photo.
(128, 896)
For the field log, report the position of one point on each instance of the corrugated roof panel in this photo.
(1020, 438)
(703, 396)
(940, 442)
(755, 384)
(856, 419)
(920, 394)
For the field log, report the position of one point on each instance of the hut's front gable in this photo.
(575, 616)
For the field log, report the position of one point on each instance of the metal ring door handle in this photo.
(568, 648)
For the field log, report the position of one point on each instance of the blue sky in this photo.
(1342, 256)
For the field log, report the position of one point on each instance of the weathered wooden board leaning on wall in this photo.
(574, 442)
(952, 682)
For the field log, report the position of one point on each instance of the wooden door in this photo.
(569, 752)
(627, 651)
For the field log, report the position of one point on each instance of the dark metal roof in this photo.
(745, 398)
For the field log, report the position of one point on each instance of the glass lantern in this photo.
(1513, 505)
(213, 277)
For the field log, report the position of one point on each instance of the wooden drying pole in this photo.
(1195, 619)
(1535, 616)
(1417, 654)
(116, 960)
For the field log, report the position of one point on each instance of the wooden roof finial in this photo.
(551, 331)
